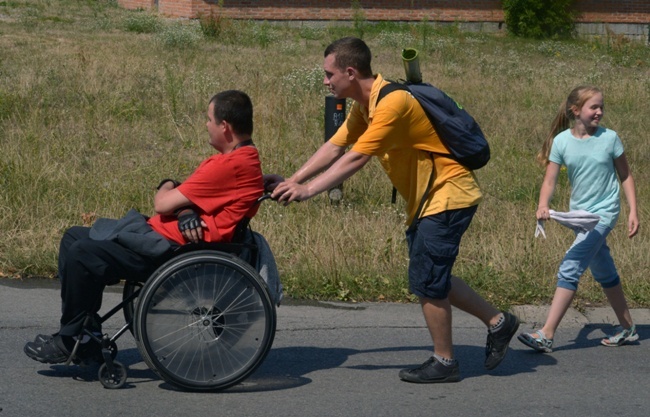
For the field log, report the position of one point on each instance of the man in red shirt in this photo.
(206, 207)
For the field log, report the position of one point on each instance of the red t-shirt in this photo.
(223, 188)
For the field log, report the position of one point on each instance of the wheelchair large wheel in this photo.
(204, 321)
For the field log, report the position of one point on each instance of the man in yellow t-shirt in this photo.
(397, 131)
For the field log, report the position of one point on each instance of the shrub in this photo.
(212, 24)
(359, 19)
(550, 19)
(179, 35)
(142, 22)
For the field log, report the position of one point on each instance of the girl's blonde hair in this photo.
(565, 117)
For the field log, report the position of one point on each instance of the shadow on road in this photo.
(290, 367)
(287, 368)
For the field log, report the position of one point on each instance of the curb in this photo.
(535, 316)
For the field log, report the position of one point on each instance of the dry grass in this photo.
(93, 114)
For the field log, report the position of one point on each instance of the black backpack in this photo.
(457, 130)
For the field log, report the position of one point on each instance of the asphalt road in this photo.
(337, 360)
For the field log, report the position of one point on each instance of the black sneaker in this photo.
(431, 371)
(46, 352)
(497, 342)
(42, 338)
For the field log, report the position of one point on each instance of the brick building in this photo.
(628, 17)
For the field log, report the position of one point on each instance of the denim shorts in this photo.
(589, 250)
(433, 248)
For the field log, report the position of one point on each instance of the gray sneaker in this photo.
(497, 343)
(47, 352)
(430, 372)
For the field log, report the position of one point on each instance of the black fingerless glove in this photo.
(188, 219)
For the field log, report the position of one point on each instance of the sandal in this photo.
(539, 343)
(621, 337)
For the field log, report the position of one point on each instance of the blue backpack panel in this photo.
(457, 130)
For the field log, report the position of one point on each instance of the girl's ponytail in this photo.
(560, 123)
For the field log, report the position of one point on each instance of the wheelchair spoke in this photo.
(207, 323)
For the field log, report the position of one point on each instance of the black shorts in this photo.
(433, 248)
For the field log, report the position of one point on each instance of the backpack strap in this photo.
(383, 92)
(389, 88)
(416, 217)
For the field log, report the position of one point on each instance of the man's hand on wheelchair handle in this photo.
(190, 225)
(288, 192)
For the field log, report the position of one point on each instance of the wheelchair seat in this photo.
(203, 321)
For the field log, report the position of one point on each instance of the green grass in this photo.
(97, 104)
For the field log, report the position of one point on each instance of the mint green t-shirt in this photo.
(591, 171)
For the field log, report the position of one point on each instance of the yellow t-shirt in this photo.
(399, 133)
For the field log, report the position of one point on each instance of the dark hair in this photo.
(351, 52)
(236, 108)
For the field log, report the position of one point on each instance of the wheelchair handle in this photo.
(264, 197)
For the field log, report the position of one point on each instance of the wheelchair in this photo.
(203, 321)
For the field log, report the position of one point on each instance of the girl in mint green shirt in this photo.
(595, 162)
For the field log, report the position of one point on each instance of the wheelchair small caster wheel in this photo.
(112, 380)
